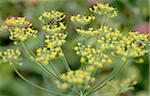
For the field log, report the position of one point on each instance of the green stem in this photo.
(83, 66)
(81, 94)
(54, 69)
(26, 49)
(37, 86)
(94, 73)
(103, 21)
(29, 49)
(46, 70)
(106, 80)
(41, 65)
(66, 63)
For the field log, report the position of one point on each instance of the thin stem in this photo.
(83, 66)
(50, 73)
(66, 63)
(54, 69)
(41, 65)
(94, 73)
(74, 89)
(44, 68)
(103, 21)
(29, 49)
(26, 49)
(37, 86)
(108, 21)
(34, 56)
(81, 93)
(106, 80)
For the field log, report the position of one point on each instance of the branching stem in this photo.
(37, 86)
(41, 65)
(65, 63)
(106, 80)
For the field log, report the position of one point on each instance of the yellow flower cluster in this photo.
(49, 17)
(19, 29)
(133, 45)
(10, 55)
(108, 38)
(89, 32)
(54, 37)
(92, 56)
(22, 34)
(17, 22)
(45, 54)
(82, 20)
(104, 9)
(76, 78)
(55, 40)
(56, 28)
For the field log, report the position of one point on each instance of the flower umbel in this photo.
(17, 22)
(76, 78)
(92, 56)
(45, 54)
(54, 37)
(133, 45)
(56, 28)
(89, 32)
(82, 20)
(22, 34)
(19, 29)
(53, 16)
(10, 56)
(104, 9)
(55, 40)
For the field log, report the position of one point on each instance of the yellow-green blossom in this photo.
(17, 22)
(82, 20)
(19, 29)
(75, 78)
(55, 40)
(109, 38)
(133, 45)
(10, 55)
(48, 17)
(50, 28)
(104, 9)
(22, 34)
(89, 32)
(92, 56)
(45, 54)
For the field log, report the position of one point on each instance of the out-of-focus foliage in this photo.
(133, 15)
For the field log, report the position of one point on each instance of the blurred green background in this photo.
(133, 15)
